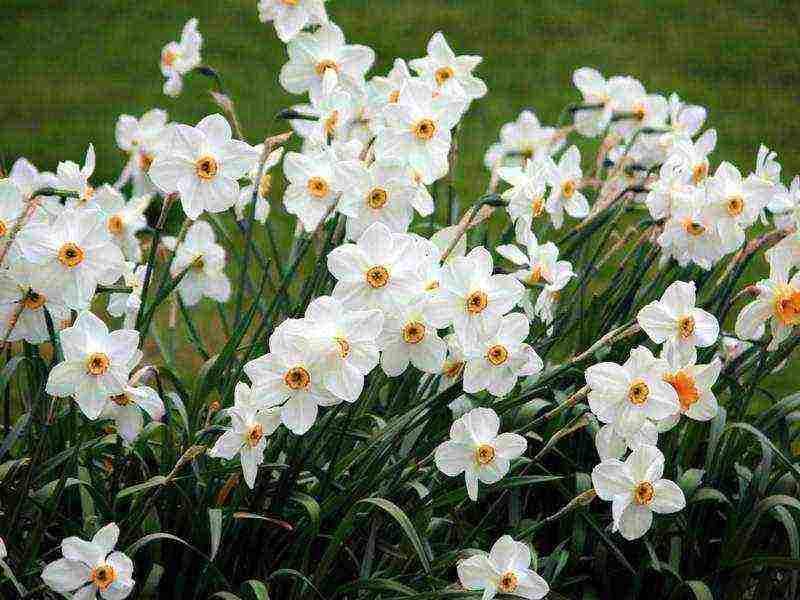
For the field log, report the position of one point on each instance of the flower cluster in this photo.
(393, 296)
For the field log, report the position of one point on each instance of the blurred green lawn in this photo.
(72, 66)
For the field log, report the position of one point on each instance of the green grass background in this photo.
(72, 66)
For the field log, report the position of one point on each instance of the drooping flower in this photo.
(785, 204)
(442, 68)
(677, 323)
(637, 490)
(469, 293)
(89, 568)
(476, 449)
(380, 271)
(247, 436)
(329, 116)
(203, 164)
(290, 377)
(565, 182)
(778, 302)
(627, 394)
(127, 407)
(498, 356)
(96, 363)
(72, 256)
(522, 140)
(264, 186)
(311, 54)
(74, 178)
(139, 138)
(592, 119)
(505, 570)
(409, 337)
(418, 129)
(178, 58)
(346, 343)
(526, 195)
(123, 219)
(290, 17)
(127, 304)
(202, 262)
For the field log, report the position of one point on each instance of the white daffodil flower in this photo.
(385, 90)
(442, 68)
(453, 367)
(540, 262)
(469, 293)
(128, 304)
(290, 17)
(203, 164)
(89, 568)
(506, 570)
(345, 341)
(96, 363)
(12, 208)
(203, 260)
(312, 189)
(22, 305)
(498, 356)
(627, 394)
(290, 376)
(71, 176)
(677, 323)
(312, 54)
(565, 179)
(123, 219)
(29, 179)
(329, 116)
(691, 233)
(685, 121)
(476, 449)
(380, 271)
(178, 58)
(693, 383)
(408, 337)
(613, 443)
(379, 193)
(418, 129)
(72, 256)
(522, 140)
(778, 302)
(247, 436)
(127, 407)
(592, 120)
(637, 490)
(526, 195)
(264, 186)
(785, 204)
(635, 108)
(736, 203)
(139, 138)
(690, 158)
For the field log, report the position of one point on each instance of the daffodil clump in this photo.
(249, 416)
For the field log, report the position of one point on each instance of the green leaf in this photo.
(709, 495)
(215, 524)
(376, 585)
(312, 508)
(295, 575)
(141, 487)
(259, 589)
(698, 588)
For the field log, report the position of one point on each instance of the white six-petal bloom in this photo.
(498, 356)
(73, 255)
(91, 567)
(96, 363)
(476, 449)
(290, 17)
(677, 323)
(22, 305)
(290, 376)
(380, 271)
(565, 179)
(442, 68)
(247, 437)
(637, 489)
(202, 262)
(178, 58)
(626, 395)
(506, 570)
(203, 164)
(409, 337)
(127, 408)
